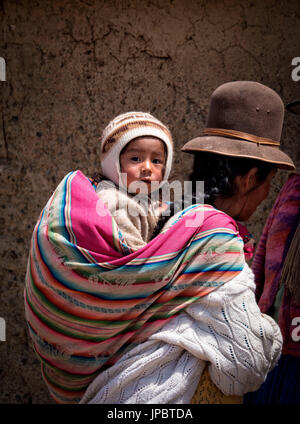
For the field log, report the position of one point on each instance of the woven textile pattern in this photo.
(270, 256)
(224, 329)
(88, 301)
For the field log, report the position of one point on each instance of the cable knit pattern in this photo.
(224, 328)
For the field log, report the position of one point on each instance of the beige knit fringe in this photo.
(290, 275)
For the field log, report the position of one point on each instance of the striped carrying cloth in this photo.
(88, 301)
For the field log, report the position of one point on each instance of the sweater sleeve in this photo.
(241, 344)
(224, 328)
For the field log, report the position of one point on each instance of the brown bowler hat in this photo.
(245, 120)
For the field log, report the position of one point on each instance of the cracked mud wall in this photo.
(71, 66)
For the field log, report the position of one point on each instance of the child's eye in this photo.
(135, 158)
(157, 161)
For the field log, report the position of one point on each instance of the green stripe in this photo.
(71, 317)
(76, 377)
(75, 333)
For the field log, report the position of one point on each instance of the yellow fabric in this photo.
(208, 393)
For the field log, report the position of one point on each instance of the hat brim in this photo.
(239, 148)
(294, 107)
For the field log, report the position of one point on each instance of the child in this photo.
(136, 158)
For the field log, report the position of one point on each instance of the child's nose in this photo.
(147, 166)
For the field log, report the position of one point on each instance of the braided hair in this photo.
(218, 173)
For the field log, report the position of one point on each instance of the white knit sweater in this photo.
(224, 328)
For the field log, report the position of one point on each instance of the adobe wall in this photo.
(71, 66)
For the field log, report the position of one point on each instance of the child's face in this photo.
(143, 159)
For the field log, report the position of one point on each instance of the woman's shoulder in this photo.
(205, 216)
(212, 218)
(217, 218)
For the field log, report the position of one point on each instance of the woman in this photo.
(277, 278)
(141, 327)
(237, 159)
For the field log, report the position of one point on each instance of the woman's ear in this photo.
(247, 181)
(251, 178)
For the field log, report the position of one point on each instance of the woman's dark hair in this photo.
(218, 173)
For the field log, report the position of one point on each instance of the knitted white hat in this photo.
(120, 131)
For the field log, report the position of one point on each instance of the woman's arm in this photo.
(241, 344)
(224, 328)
